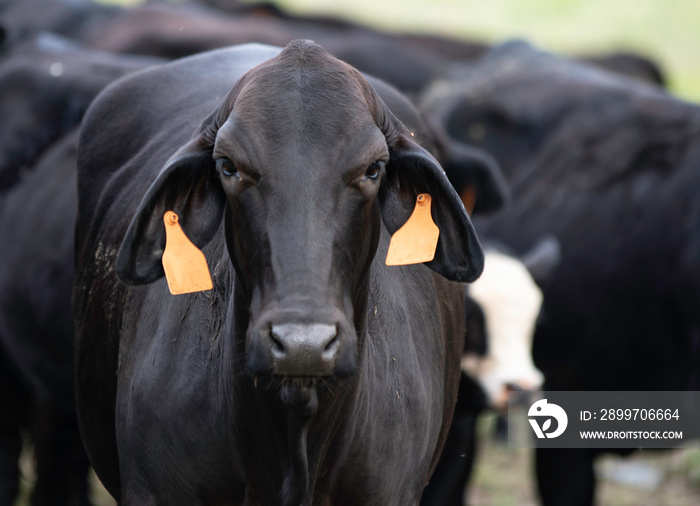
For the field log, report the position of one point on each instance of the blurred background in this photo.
(668, 32)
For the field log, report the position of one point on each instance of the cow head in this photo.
(510, 302)
(306, 164)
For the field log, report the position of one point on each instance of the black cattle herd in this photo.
(289, 151)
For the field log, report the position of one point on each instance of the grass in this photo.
(504, 476)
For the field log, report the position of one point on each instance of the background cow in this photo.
(608, 166)
(502, 307)
(172, 30)
(46, 84)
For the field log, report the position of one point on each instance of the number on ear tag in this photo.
(416, 241)
(184, 264)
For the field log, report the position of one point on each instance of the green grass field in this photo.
(504, 476)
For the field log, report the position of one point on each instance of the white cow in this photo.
(511, 302)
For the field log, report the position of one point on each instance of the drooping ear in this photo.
(187, 185)
(411, 171)
(474, 174)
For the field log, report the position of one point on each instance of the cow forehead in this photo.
(299, 107)
(304, 87)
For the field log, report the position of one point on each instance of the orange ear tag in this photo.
(468, 197)
(184, 264)
(416, 241)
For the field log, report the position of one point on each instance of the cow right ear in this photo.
(187, 185)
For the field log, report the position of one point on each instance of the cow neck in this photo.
(300, 403)
(297, 489)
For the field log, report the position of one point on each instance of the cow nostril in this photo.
(302, 349)
(515, 387)
(332, 346)
(277, 345)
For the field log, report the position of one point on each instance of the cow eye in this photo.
(227, 167)
(374, 169)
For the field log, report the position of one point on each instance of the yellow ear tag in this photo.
(184, 264)
(416, 241)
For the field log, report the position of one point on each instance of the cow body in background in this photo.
(502, 307)
(46, 84)
(21, 20)
(36, 331)
(608, 166)
(211, 396)
(173, 30)
(408, 61)
(38, 206)
(510, 300)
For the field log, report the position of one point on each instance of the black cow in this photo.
(311, 373)
(38, 207)
(409, 62)
(24, 19)
(610, 167)
(361, 47)
(36, 331)
(172, 31)
(46, 84)
(629, 64)
(159, 28)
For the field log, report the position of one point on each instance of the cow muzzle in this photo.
(303, 349)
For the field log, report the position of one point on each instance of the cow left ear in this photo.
(188, 185)
(411, 171)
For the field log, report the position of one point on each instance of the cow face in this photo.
(306, 163)
(510, 301)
